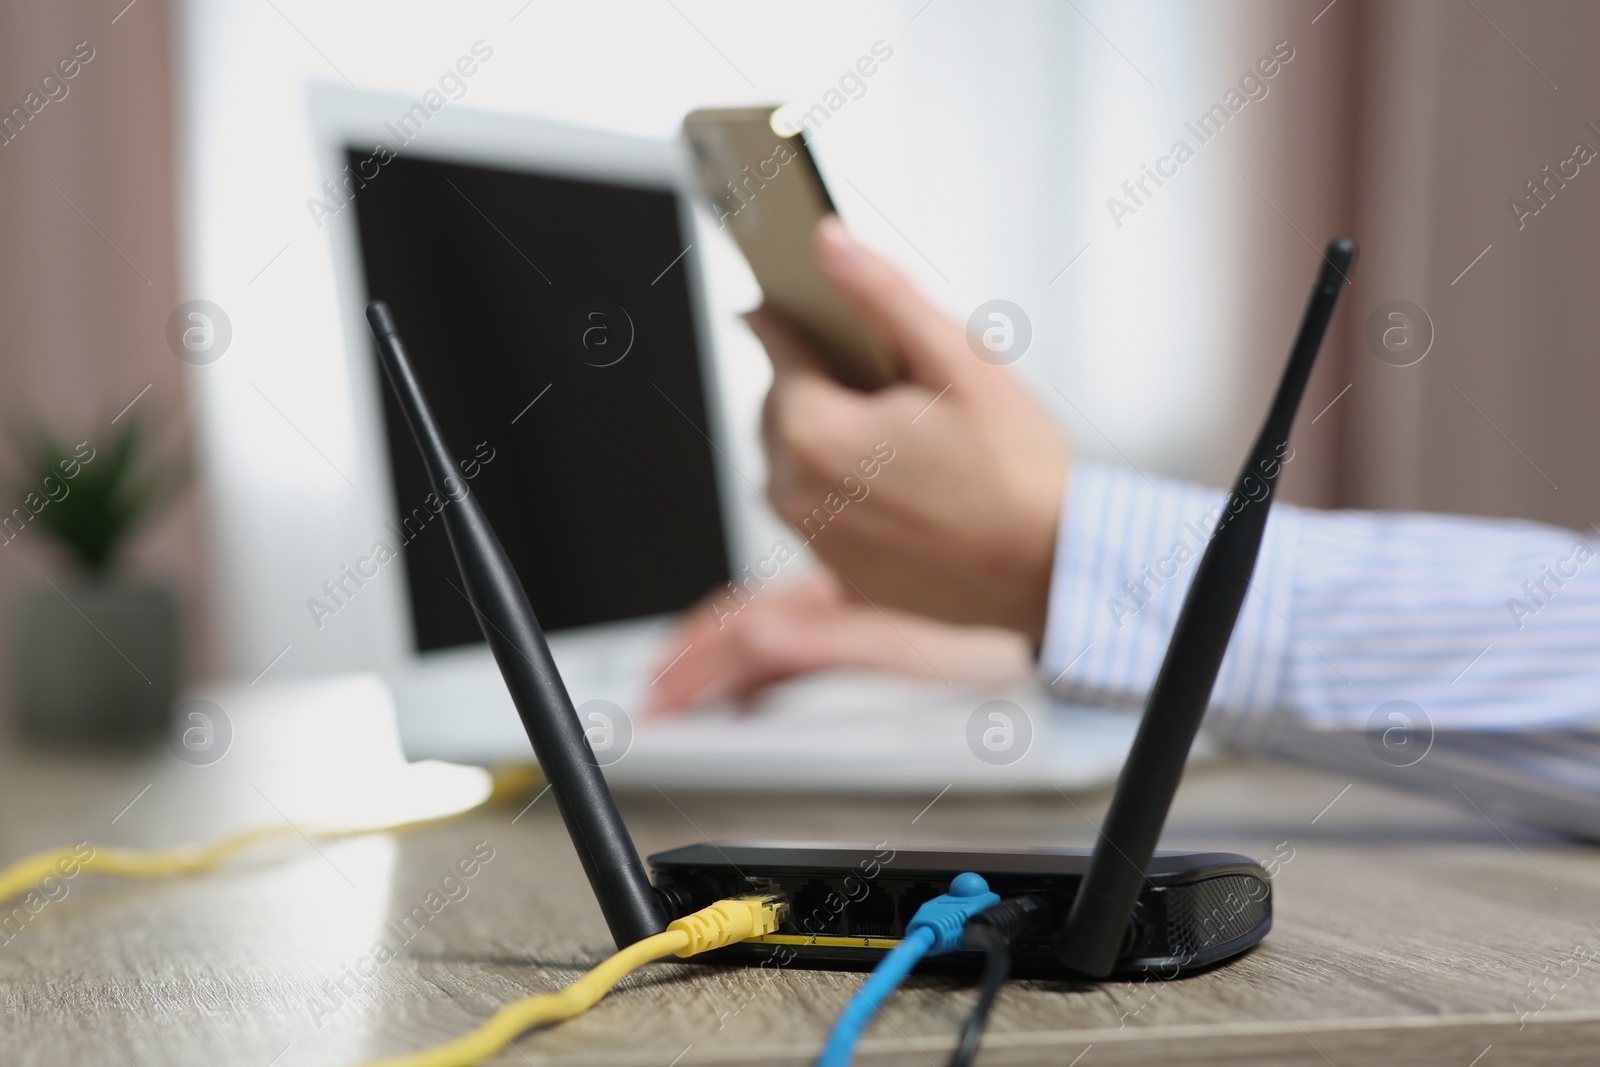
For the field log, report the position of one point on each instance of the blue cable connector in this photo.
(935, 929)
(947, 915)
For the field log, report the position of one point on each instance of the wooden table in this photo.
(1408, 932)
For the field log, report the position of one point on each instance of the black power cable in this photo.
(996, 969)
(993, 931)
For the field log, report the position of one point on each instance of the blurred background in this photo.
(997, 154)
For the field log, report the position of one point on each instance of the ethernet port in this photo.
(814, 909)
(912, 899)
(872, 915)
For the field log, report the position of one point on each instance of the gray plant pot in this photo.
(96, 661)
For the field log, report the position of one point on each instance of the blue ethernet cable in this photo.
(935, 929)
(885, 979)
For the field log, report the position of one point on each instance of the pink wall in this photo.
(1460, 105)
(83, 313)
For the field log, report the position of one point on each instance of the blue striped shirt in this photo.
(1458, 656)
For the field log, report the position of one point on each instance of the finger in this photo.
(798, 378)
(847, 638)
(702, 650)
(696, 677)
(788, 639)
(791, 352)
(894, 642)
(775, 646)
(809, 422)
(932, 346)
(694, 657)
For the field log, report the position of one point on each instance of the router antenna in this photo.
(1092, 936)
(598, 833)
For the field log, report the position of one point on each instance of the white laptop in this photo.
(548, 282)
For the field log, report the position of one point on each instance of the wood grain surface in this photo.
(1407, 932)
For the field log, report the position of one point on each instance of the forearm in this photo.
(1482, 623)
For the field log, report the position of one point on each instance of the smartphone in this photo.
(764, 188)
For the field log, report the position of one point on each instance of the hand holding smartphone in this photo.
(765, 189)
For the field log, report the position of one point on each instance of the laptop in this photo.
(613, 447)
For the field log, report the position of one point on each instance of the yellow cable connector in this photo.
(724, 923)
(728, 922)
(507, 783)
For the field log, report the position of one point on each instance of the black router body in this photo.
(1119, 909)
(847, 906)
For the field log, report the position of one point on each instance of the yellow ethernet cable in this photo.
(724, 923)
(507, 783)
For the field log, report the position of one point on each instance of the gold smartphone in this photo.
(764, 187)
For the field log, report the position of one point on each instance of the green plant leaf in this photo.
(91, 508)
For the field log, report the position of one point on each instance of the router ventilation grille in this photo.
(1210, 913)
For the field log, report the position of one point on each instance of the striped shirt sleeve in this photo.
(1482, 624)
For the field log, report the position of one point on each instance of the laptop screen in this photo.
(549, 321)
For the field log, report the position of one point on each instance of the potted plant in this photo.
(96, 651)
